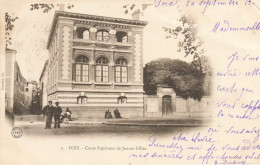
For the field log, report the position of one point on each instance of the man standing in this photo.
(57, 113)
(48, 111)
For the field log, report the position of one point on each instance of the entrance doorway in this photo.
(166, 105)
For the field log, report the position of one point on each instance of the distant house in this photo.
(31, 93)
(95, 63)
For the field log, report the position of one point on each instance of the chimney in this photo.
(61, 7)
(136, 15)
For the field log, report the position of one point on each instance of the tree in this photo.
(186, 33)
(9, 25)
(189, 41)
(184, 78)
(130, 8)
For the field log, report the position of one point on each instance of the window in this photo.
(26, 89)
(82, 99)
(121, 37)
(121, 100)
(82, 33)
(81, 68)
(102, 70)
(102, 35)
(121, 71)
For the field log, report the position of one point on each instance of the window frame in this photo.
(81, 63)
(120, 99)
(104, 68)
(102, 31)
(121, 37)
(121, 65)
(81, 98)
(80, 33)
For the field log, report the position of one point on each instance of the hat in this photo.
(57, 102)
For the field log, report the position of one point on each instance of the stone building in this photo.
(32, 97)
(43, 86)
(96, 63)
(15, 85)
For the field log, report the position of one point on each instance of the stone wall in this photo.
(179, 106)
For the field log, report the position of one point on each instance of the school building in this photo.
(95, 63)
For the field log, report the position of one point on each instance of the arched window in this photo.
(81, 68)
(121, 100)
(82, 99)
(121, 37)
(121, 70)
(102, 35)
(82, 33)
(102, 69)
(86, 35)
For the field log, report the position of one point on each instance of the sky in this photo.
(32, 29)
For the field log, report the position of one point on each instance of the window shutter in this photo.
(73, 72)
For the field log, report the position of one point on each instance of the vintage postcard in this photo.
(130, 82)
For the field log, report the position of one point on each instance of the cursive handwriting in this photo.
(204, 4)
(225, 26)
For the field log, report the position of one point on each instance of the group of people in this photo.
(108, 114)
(50, 111)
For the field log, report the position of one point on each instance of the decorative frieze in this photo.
(93, 30)
(104, 24)
(137, 58)
(112, 31)
(66, 52)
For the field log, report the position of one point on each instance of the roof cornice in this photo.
(90, 17)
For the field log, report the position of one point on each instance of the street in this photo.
(114, 127)
(104, 129)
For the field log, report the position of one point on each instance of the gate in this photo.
(166, 105)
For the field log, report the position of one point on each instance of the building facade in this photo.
(43, 81)
(96, 63)
(15, 84)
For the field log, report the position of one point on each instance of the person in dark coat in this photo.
(57, 113)
(108, 115)
(117, 113)
(48, 111)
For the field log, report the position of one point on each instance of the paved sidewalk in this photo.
(176, 121)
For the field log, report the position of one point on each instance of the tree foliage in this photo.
(188, 39)
(184, 78)
(9, 25)
(185, 33)
(130, 8)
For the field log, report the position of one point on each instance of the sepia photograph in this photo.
(130, 82)
(94, 75)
